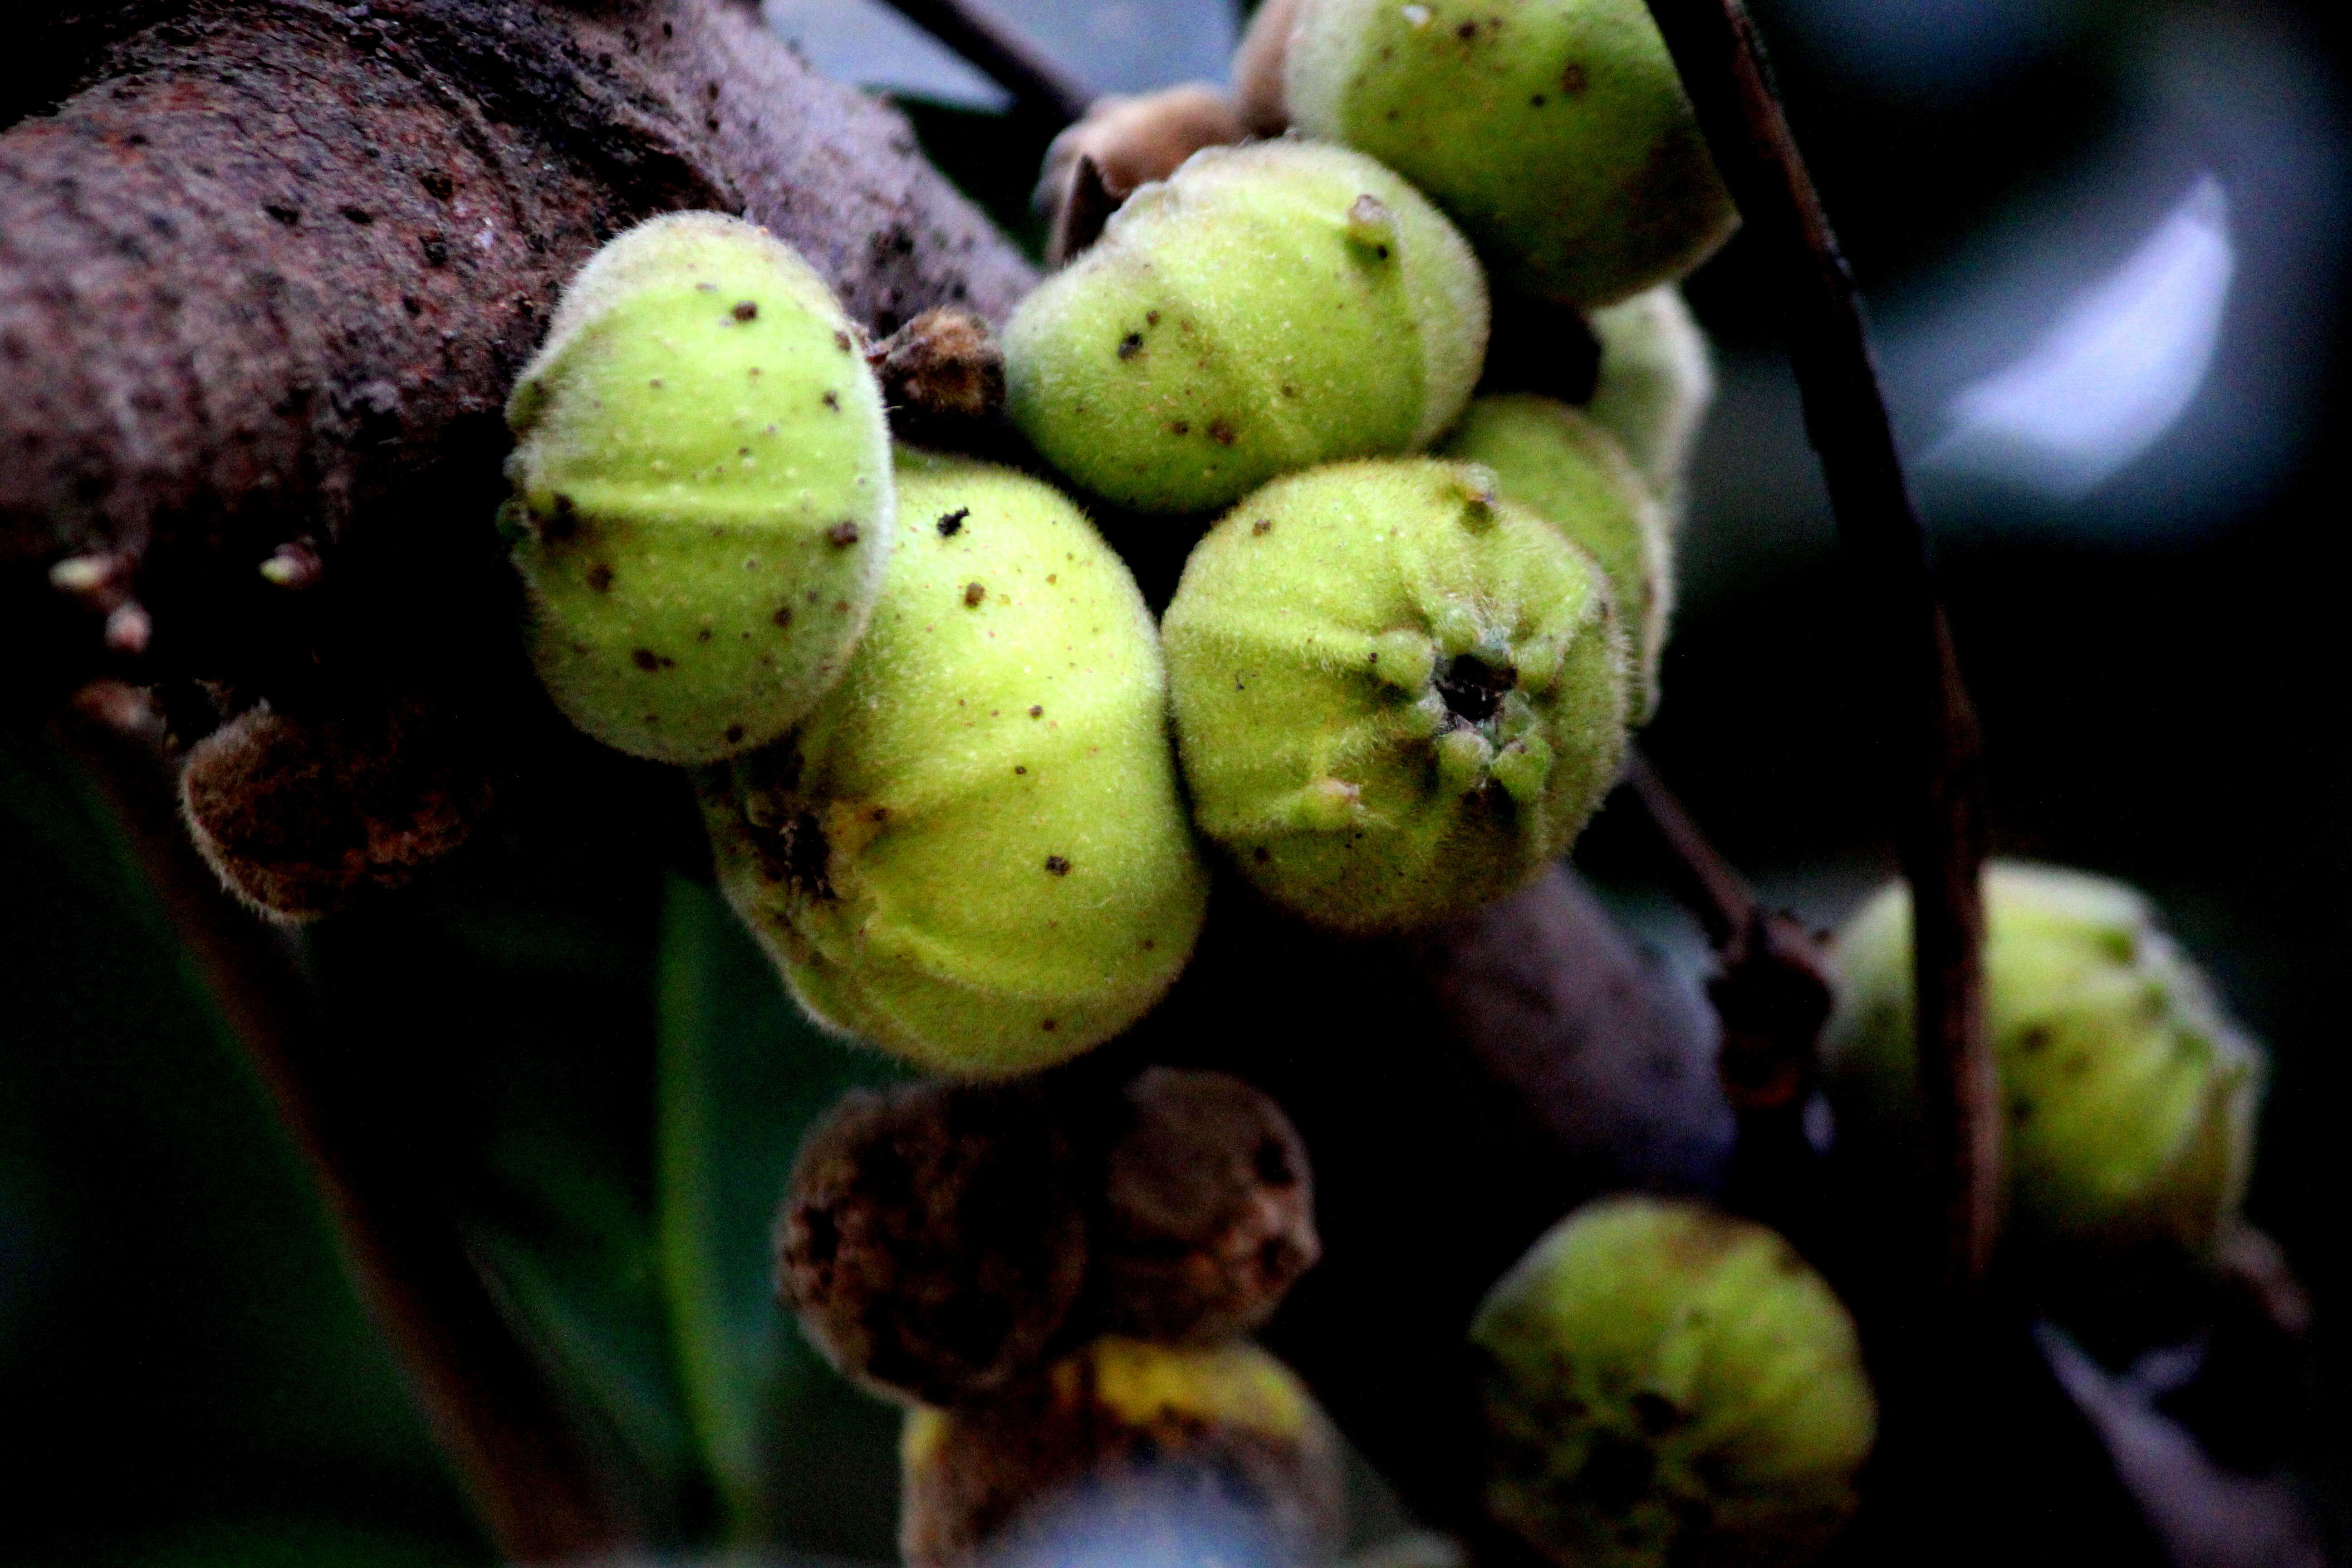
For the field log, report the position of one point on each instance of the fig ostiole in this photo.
(1398, 695)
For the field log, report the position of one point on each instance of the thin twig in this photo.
(537, 1492)
(1038, 86)
(1704, 881)
(1715, 48)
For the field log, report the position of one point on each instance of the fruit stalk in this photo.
(1715, 48)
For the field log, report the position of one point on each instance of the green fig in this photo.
(1655, 384)
(1398, 695)
(1556, 132)
(1266, 308)
(1664, 1383)
(1567, 470)
(2129, 1095)
(701, 490)
(972, 853)
(1121, 1443)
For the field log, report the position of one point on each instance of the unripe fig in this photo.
(1398, 695)
(301, 814)
(972, 853)
(702, 491)
(1657, 382)
(1665, 1383)
(933, 1240)
(1266, 308)
(1556, 132)
(2128, 1095)
(1208, 1212)
(1566, 469)
(1126, 1441)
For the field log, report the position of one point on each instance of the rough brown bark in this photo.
(268, 277)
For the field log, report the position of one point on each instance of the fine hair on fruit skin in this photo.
(1398, 695)
(1265, 307)
(702, 501)
(973, 854)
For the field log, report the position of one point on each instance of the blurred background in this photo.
(2103, 242)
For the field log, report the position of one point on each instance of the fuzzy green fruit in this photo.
(972, 853)
(702, 491)
(1571, 473)
(1398, 697)
(1266, 308)
(1657, 382)
(2129, 1095)
(1666, 1385)
(1556, 132)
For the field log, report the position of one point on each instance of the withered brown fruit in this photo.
(942, 378)
(932, 1239)
(1130, 141)
(1208, 1214)
(1125, 1446)
(302, 814)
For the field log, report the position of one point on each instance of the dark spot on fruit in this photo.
(973, 594)
(794, 852)
(1474, 690)
(843, 533)
(1617, 1472)
(702, 636)
(1179, 427)
(1657, 1413)
(1048, 1026)
(1131, 345)
(1265, 525)
(646, 659)
(746, 310)
(1221, 433)
(1381, 252)
(879, 813)
(1148, 944)
(599, 577)
(734, 734)
(952, 523)
(562, 522)
(1150, 318)
(841, 341)
(1037, 712)
(1056, 865)
(2022, 1112)
(2035, 1039)
(1572, 80)
(833, 401)
(1272, 1164)
(1537, 101)
(783, 616)
(1466, 31)
(1020, 770)
(1260, 854)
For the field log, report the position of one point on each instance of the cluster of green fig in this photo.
(952, 769)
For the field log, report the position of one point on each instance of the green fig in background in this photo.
(1655, 385)
(701, 490)
(1266, 308)
(1398, 695)
(1664, 1384)
(1567, 470)
(1556, 132)
(1130, 1448)
(2129, 1095)
(972, 853)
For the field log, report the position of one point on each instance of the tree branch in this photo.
(1717, 49)
(1040, 88)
